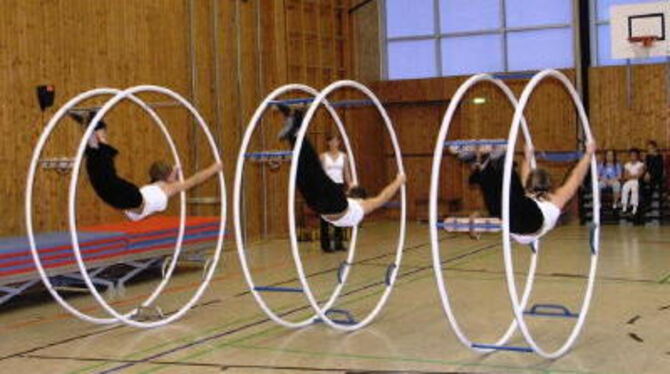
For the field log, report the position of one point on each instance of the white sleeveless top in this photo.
(155, 200)
(550, 212)
(634, 168)
(352, 217)
(334, 168)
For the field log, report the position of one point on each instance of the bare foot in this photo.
(101, 135)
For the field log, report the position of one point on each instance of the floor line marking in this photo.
(273, 328)
(60, 316)
(267, 331)
(556, 275)
(190, 286)
(412, 359)
(199, 333)
(225, 367)
(206, 339)
(192, 336)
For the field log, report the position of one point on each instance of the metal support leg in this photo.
(10, 291)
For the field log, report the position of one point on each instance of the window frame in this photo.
(437, 36)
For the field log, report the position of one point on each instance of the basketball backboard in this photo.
(639, 21)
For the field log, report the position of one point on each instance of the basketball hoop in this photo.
(646, 40)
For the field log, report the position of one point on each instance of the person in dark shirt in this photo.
(654, 166)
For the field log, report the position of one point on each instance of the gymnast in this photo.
(137, 203)
(535, 205)
(323, 195)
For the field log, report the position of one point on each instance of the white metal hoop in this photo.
(72, 211)
(237, 199)
(120, 95)
(41, 143)
(507, 247)
(433, 224)
(321, 312)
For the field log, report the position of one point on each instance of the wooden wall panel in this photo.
(367, 52)
(628, 107)
(299, 41)
(78, 45)
(224, 56)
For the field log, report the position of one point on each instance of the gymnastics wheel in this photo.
(392, 270)
(255, 290)
(320, 311)
(433, 212)
(594, 232)
(118, 96)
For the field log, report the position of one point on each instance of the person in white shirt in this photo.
(336, 165)
(323, 195)
(633, 171)
(137, 203)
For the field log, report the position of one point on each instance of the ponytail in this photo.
(539, 184)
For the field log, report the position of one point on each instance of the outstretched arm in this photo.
(348, 180)
(372, 204)
(525, 164)
(564, 193)
(198, 178)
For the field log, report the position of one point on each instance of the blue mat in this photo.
(19, 244)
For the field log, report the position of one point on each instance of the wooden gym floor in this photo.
(626, 331)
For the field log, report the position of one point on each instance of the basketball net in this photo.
(642, 45)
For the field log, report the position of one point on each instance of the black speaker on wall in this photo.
(45, 96)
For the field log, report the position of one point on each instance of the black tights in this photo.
(325, 232)
(525, 216)
(321, 194)
(111, 188)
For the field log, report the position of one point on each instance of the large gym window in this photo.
(432, 38)
(601, 48)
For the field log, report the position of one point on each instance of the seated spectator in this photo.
(609, 176)
(654, 166)
(633, 171)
